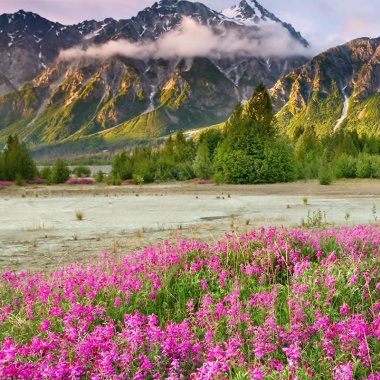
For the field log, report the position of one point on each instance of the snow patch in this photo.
(144, 30)
(38, 40)
(95, 33)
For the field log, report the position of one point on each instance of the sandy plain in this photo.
(39, 229)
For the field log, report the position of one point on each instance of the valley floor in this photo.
(39, 230)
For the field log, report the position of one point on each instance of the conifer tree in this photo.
(60, 173)
(17, 161)
(251, 152)
(202, 163)
(259, 110)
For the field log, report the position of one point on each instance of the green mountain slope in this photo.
(117, 99)
(337, 89)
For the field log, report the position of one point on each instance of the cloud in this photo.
(194, 40)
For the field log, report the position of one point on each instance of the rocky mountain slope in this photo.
(339, 88)
(46, 99)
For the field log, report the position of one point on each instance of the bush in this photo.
(364, 166)
(99, 177)
(45, 172)
(314, 219)
(202, 164)
(82, 172)
(138, 179)
(345, 166)
(325, 175)
(144, 172)
(60, 172)
(122, 166)
(236, 167)
(218, 178)
(117, 181)
(375, 166)
(19, 180)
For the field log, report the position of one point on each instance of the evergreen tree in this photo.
(202, 163)
(122, 166)
(308, 154)
(235, 120)
(251, 152)
(2, 167)
(168, 151)
(212, 137)
(259, 110)
(17, 161)
(60, 173)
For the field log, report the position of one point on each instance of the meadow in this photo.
(270, 304)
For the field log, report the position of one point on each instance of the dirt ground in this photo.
(40, 228)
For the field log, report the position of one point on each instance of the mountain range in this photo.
(175, 65)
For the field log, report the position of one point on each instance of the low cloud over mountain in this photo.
(195, 40)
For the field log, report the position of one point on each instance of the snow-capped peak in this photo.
(250, 13)
(167, 3)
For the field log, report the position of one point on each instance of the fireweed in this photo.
(273, 304)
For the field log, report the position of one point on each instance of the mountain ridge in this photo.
(332, 91)
(121, 96)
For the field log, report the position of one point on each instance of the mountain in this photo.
(251, 13)
(28, 44)
(46, 99)
(339, 88)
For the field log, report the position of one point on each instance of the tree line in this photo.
(249, 150)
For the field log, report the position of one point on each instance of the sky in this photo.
(324, 23)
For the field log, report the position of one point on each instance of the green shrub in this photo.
(314, 219)
(82, 172)
(117, 181)
(99, 177)
(45, 173)
(138, 179)
(122, 166)
(19, 180)
(218, 178)
(325, 175)
(202, 164)
(364, 166)
(375, 166)
(144, 171)
(60, 173)
(345, 166)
